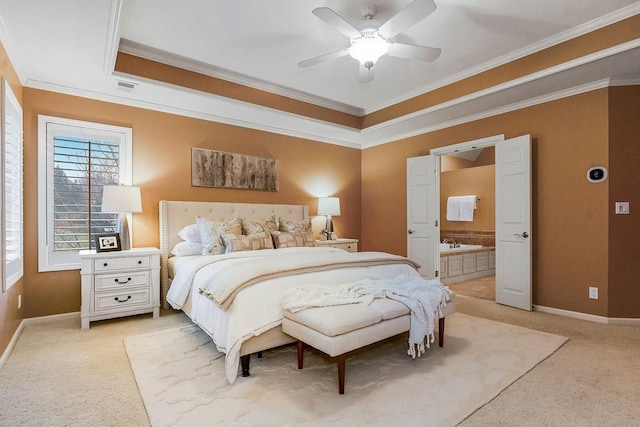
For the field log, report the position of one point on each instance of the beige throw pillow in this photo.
(236, 243)
(211, 233)
(283, 239)
(295, 227)
(268, 225)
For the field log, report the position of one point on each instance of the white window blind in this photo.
(80, 158)
(12, 233)
(81, 167)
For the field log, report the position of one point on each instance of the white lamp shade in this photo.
(329, 206)
(121, 198)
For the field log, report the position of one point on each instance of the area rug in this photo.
(181, 379)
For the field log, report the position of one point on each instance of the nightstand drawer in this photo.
(349, 247)
(123, 263)
(122, 300)
(121, 282)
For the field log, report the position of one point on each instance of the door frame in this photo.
(489, 141)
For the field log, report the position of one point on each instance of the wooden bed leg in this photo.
(244, 362)
(300, 354)
(441, 331)
(341, 368)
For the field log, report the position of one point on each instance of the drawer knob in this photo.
(122, 283)
(139, 262)
(122, 300)
(105, 264)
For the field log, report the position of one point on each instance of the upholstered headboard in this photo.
(174, 215)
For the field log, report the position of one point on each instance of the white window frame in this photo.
(48, 260)
(13, 270)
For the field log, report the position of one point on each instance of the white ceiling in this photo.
(69, 46)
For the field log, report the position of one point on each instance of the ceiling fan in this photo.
(371, 39)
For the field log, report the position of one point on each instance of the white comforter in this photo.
(257, 309)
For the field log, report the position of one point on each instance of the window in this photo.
(12, 183)
(76, 159)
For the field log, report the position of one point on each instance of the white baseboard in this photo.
(32, 320)
(589, 317)
(45, 319)
(12, 343)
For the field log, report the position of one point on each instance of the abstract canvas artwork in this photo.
(210, 168)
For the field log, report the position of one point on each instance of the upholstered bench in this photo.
(337, 330)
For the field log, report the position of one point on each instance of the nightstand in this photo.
(117, 284)
(349, 245)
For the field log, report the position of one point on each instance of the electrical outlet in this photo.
(593, 292)
(19, 301)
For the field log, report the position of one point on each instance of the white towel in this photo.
(467, 206)
(453, 209)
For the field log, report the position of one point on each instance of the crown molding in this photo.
(344, 135)
(516, 82)
(137, 49)
(113, 37)
(601, 22)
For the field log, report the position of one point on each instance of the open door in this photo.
(513, 222)
(423, 213)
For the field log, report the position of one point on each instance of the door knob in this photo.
(524, 235)
(410, 231)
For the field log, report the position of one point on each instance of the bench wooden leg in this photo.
(300, 354)
(244, 362)
(341, 368)
(441, 331)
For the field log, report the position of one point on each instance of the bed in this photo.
(244, 320)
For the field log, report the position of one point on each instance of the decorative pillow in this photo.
(283, 239)
(236, 243)
(190, 233)
(187, 248)
(295, 227)
(253, 227)
(211, 232)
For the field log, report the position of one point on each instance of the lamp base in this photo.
(123, 229)
(329, 229)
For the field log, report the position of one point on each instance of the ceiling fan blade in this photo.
(410, 15)
(337, 21)
(365, 74)
(417, 53)
(322, 58)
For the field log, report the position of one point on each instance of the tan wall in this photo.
(624, 185)
(162, 168)
(570, 216)
(480, 181)
(10, 315)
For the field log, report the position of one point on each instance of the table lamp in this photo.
(329, 206)
(122, 199)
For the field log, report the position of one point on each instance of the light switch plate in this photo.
(622, 208)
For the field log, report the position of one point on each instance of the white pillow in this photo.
(187, 248)
(190, 233)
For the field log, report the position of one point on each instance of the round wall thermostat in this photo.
(597, 174)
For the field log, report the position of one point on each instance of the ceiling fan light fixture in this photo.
(368, 49)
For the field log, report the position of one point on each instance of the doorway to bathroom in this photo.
(467, 249)
(511, 203)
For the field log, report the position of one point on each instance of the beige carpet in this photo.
(180, 376)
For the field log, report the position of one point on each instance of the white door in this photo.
(513, 222)
(423, 213)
